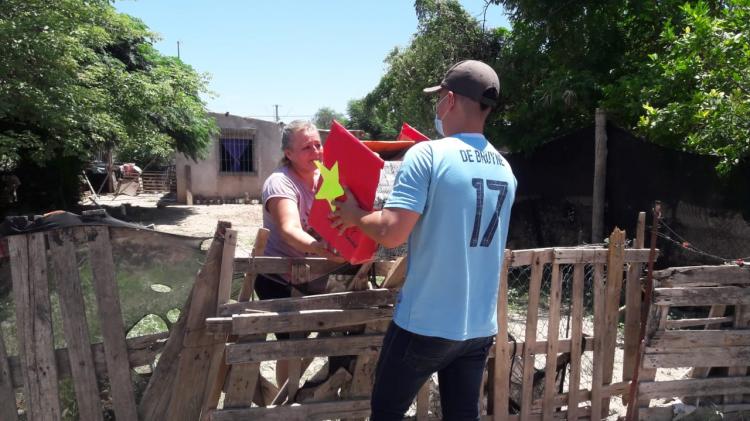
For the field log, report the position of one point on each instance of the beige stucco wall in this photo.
(209, 183)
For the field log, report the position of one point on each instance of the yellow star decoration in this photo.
(331, 187)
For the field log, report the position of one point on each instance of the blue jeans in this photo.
(407, 360)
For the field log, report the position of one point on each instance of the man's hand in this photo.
(347, 213)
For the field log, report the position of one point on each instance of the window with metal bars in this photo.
(236, 150)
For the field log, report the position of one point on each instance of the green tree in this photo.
(699, 98)
(445, 35)
(76, 76)
(325, 116)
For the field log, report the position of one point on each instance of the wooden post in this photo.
(600, 176)
(502, 348)
(28, 266)
(615, 259)
(8, 409)
(532, 317)
(633, 306)
(188, 186)
(553, 336)
(597, 377)
(576, 341)
(73, 310)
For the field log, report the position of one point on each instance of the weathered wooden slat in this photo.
(423, 401)
(8, 409)
(594, 256)
(34, 321)
(333, 301)
(396, 276)
(633, 304)
(528, 257)
(304, 321)
(532, 316)
(700, 339)
(242, 380)
(141, 351)
(694, 387)
(192, 383)
(283, 265)
(654, 322)
(309, 411)
(247, 352)
(502, 347)
(615, 262)
(576, 338)
(715, 311)
(553, 336)
(702, 296)
(597, 377)
(696, 357)
(73, 310)
(112, 327)
(708, 321)
(217, 369)
(700, 276)
(741, 321)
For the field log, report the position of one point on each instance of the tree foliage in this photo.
(675, 71)
(325, 116)
(76, 75)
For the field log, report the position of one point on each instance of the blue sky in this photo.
(299, 54)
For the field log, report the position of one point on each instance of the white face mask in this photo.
(438, 120)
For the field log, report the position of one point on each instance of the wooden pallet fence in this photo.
(721, 348)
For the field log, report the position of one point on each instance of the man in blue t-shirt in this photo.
(452, 201)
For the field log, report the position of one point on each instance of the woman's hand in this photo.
(321, 249)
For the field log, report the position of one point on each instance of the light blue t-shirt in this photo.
(463, 189)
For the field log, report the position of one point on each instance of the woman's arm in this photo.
(286, 216)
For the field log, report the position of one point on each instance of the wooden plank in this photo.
(112, 327)
(8, 409)
(140, 353)
(633, 298)
(615, 264)
(242, 380)
(73, 310)
(532, 315)
(34, 325)
(715, 311)
(303, 321)
(708, 321)
(308, 411)
(594, 256)
(294, 365)
(247, 352)
(332, 301)
(600, 326)
(283, 265)
(191, 382)
(696, 357)
(654, 322)
(502, 348)
(694, 387)
(218, 369)
(359, 282)
(248, 283)
(423, 401)
(741, 320)
(702, 296)
(576, 339)
(700, 338)
(553, 336)
(528, 257)
(396, 276)
(699, 276)
(327, 390)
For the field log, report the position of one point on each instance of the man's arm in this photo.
(390, 227)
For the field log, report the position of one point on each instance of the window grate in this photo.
(236, 150)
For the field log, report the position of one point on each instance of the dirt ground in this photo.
(164, 214)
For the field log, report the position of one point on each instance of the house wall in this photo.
(210, 183)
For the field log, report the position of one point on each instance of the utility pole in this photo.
(276, 106)
(178, 49)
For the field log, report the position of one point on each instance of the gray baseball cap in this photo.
(472, 79)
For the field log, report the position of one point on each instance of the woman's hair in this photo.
(286, 136)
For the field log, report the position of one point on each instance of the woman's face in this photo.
(305, 148)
